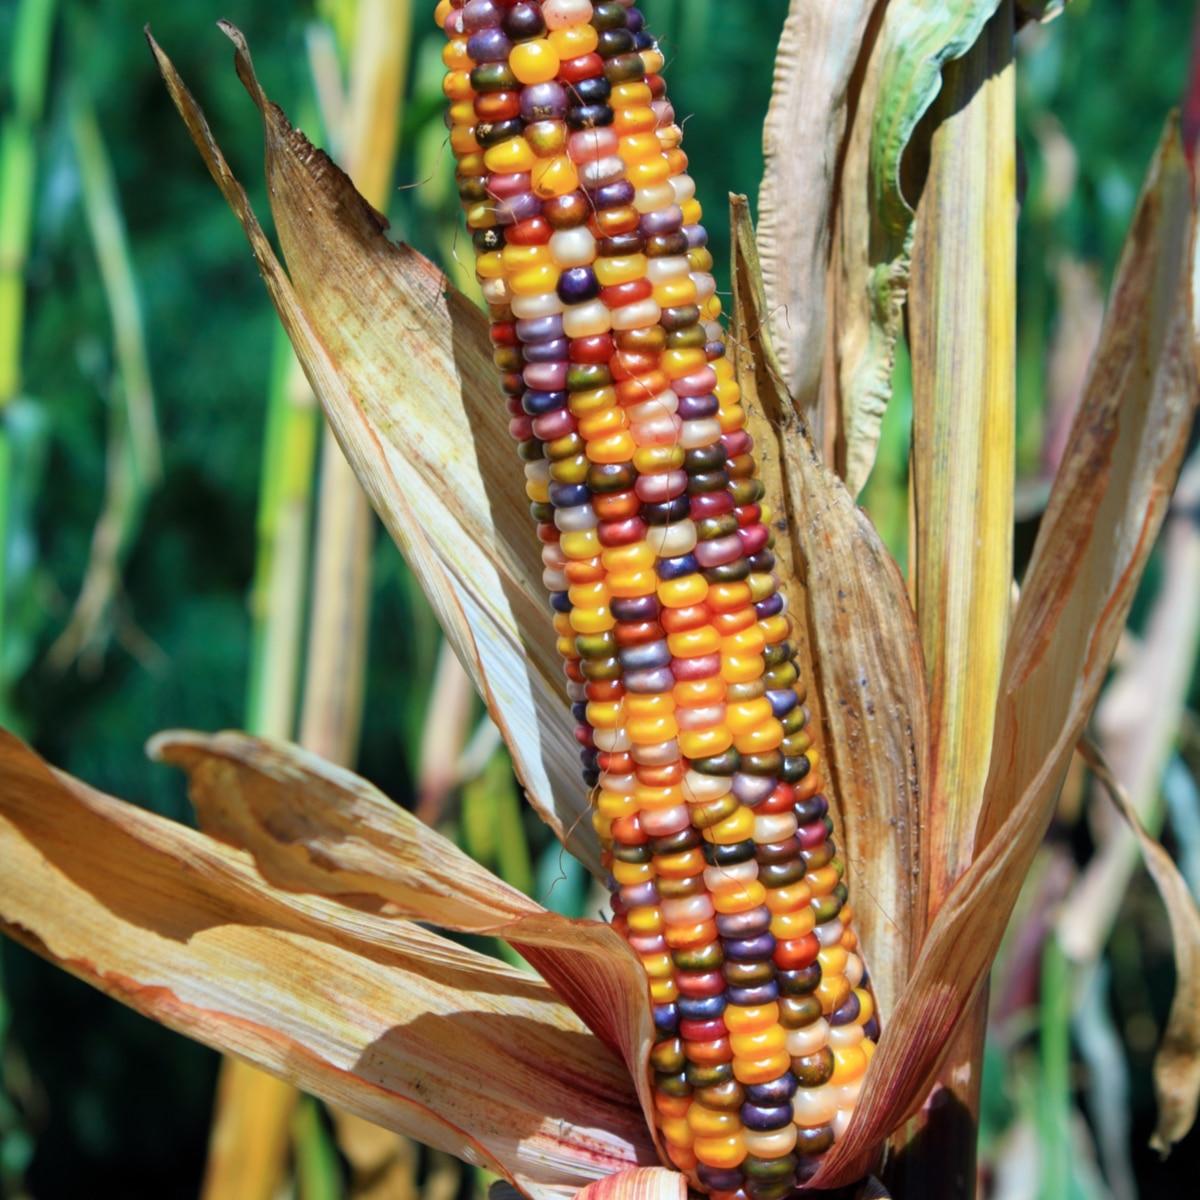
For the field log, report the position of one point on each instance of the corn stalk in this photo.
(28, 70)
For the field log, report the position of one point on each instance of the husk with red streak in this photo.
(315, 827)
(375, 1014)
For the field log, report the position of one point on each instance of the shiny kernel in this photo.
(703, 743)
(574, 41)
(737, 827)
(554, 177)
(726, 1152)
(628, 874)
(507, 157)
(711, 1122)
(761, 1070)
(739, 897)
(750, 1019)
(624, 268)
(534, 61)
(645, 920)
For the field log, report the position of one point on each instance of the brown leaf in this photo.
(1137, 724)
(402, 366)
(314, 827)
(802, 140)
(1109, 497)
(378, 1015)
(865, 657)
(1177, 1063)
(1103, 516)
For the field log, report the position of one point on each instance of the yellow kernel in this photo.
(663, 991)
(738, 897)
(737, 827)
(622, 268)
(624, 558)
(512, 155)
(741, 718)
(645, 920)
(534, 281)
(760, 1070)
(761, 739)
(535, 61)
(642, 705)
(554, 177)
(701, 743)
(684, 591)
(627, 873)
(751, 1018)
(677, 1131)
(849, 1064)
(574, 41)
(725, 1152)
(712, 1122)
(631, 92)
(455, 56)
(616, 448)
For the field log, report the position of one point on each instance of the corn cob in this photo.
(706, 793)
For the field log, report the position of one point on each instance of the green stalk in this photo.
(277, 598)
(1054, 1094)
(28, 70)
(331, 715)
(134, 455)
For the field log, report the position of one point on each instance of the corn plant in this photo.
(940, 712)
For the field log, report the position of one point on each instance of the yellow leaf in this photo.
(378, 1015)
(402, 366)
(962, 330)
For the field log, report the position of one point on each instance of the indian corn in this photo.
(706, 792)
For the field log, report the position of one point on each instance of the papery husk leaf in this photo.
(402, 367)
(819, 49)
(315, 827)
(872, 237)
(1104, 512)
(1177, 1061)
(377, 1015)
(642, 1183)
(862, 648)
(962, 334)
(1137, 726)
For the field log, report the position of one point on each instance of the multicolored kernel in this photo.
(657, 555)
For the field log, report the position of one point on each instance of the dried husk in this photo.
(375, 1014)
(1105, 511)
(811, 100)
(872, 232)
(402, 366)
(644, 1183)
(1177, 1061)
(314, 827)
(962, 337)
(863, 650)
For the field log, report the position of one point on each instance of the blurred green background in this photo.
(97, 1101)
